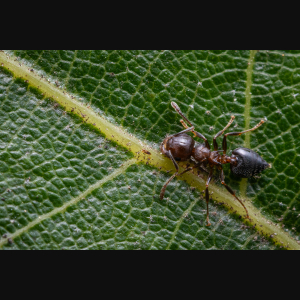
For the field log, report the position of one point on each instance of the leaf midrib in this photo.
(123, 138)
(244, 181)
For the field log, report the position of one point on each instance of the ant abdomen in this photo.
(248, 163)
(181, 146)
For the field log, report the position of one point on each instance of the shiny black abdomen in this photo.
(181, 146)
(249, 163)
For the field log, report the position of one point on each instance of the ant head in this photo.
(246, 163)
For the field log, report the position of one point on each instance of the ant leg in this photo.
(185, 126)
(163, 190)
(224, 143)
(183, 131)
(222, 177)
(168, 154)
(207, 195)
(221, 132)
(197, 134)
(201, 136)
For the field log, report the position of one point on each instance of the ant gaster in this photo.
(180, 147)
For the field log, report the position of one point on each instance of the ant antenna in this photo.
(176, 107)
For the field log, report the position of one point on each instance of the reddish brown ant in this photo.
(180, 147)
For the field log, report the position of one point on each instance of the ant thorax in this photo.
(201, 153)
(217, 157)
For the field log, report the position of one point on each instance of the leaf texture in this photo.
(50, 159)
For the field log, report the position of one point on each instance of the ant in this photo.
(180, 147)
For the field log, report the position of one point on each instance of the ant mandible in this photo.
(180, 147)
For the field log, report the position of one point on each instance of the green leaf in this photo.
(72, 201)
(276, 96)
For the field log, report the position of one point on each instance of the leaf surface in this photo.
(114, 204)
